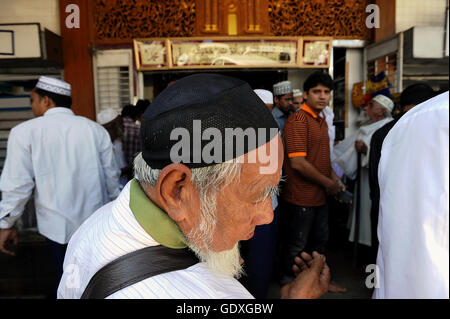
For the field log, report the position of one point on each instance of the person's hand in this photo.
(312, 280)
(301, 263)
(343, 188)
(334, 187)
(361, 147)
(8, 235)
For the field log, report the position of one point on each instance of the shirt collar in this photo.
(277, 112)
(57, 109)
(307, 109)
(154, 220)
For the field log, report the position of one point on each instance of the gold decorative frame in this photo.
(229, 52)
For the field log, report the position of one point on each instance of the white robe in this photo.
(69, 161)
(346, 157)
(120, 160)
(413, 256)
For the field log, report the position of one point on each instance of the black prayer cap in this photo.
(219, 102)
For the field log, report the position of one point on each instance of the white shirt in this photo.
(118, 153)
(328, 114)
(69, 161)
(120, 160)
(413, 255)
(113, 231)
(345, 154)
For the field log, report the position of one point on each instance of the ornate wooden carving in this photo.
(208, 17)
(256, 17)
(232, 17)
(336, 18)
(125, 20)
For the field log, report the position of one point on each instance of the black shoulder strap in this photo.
(137, 266)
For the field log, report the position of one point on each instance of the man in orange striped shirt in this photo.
(309, 175)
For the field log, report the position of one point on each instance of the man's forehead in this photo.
(320, 87)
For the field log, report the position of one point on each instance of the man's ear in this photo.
(48, 102)
(173, 187)
(276, 100)
(305, 96)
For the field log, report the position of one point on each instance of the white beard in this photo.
(225, 262)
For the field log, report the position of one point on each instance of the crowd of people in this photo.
(109, 194)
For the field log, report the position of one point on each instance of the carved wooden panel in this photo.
(125, 20)
(232, 17)
(257, 18)
(337, 18)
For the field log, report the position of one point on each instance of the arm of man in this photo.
(306, 169)
(16, 185)
(110, 167)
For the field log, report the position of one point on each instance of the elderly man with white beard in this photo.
(174, 230)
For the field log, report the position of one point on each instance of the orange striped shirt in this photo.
(306, 134)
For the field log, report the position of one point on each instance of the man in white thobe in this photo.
(345, 153)
(112, 122)
(413, 256)
(66, 159)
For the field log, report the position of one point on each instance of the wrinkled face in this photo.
(375, 110)
(285, 102)
(243, 205)
(39, 104)
(298, 102)
(318, 97)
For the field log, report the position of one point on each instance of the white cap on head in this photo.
(53, 85)
(106, 116)
(264, 95)
(297, 92)
(282, 88)
(385, 101)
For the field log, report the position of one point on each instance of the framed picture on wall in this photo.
(315, 52)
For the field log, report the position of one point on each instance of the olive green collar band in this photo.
(154, 220)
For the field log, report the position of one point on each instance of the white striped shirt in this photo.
(111, 232)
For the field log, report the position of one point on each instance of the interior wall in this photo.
(410, 13)
(299, 76)
(45, 12)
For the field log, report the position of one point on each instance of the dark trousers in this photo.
(259, 256)
(58, 251)
(304, 229)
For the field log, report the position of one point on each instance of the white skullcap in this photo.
(264, 95)
(282, 88)
(385, 101)
(54, 85)
(106, 116)
(297, 92)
